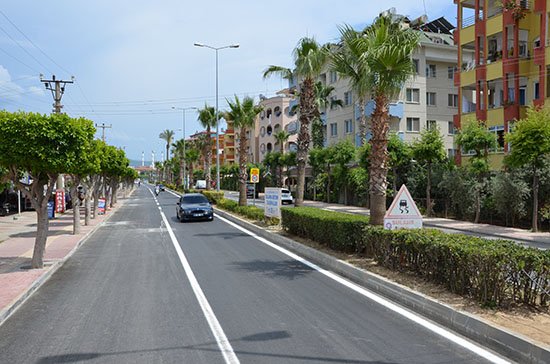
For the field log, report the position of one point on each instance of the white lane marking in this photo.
(382, 301)
(223, 342)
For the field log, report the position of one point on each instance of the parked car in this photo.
(250, 190)
(162, 188)
(200, 184)
(194, 206)
(286, 197)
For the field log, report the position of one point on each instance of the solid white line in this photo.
(382, 301)
(223, 343)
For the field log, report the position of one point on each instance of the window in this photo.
(333, 76)
(451, 72)
(277, 111)
(333, 129)
(430, 98)
(268, 113)
(537, 92)
(415, 65)
(453, 100)
(413, 95)
(451, 153)
(262, 131)
(347, 98)
(413, 125)
(349, 126)
(269, 147)
(450, 128)
(333, 104)
(431, 124)
(430, 71)
(499, 131)
(269, 130)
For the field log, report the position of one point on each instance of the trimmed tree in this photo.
(428, 150)
(207, 118)
(44, 146)
(530, 144)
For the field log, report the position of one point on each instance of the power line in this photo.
(24, 49)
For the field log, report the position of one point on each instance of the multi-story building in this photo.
(201, 161)
(427, 99)
(503, 59)
(229, 144)
(277, 115)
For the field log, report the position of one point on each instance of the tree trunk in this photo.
(281, 176)
(478, 205)
(363, 122)
(428, 191)
(378, 172)
(242, 167)
(328, 184)
(394, 169)
(182, 175)
(308, 112)
(87, 209)
(534, 221)
(76, 204)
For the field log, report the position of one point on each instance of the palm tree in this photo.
(323, 101)
(309, 59)
(192, 155)
(280, 138)
(178, 149)
(207, 118)
(243, 114)
(349, 60)
(389, 64)
(204, 145)
(168, 136)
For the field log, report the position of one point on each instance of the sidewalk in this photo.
(539, 240)
(17, 235)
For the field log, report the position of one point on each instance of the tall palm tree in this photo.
(168, 137)
(323, 101)
(309, 59)
(192, 155)
(207, 118)
(178, 152)
(280, 138)
(243, 114)
(389, 64)
(204, 145)
(349, 60)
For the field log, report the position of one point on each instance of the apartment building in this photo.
(229, 148)
(503, 59)
(277, 115)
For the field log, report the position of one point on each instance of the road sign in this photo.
(272, 202)
(254, 175)
(403, 213)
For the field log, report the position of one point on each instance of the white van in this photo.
(200, 184)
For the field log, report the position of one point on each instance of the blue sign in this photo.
(51, 210)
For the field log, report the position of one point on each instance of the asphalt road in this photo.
(208, 293)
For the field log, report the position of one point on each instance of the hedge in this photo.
(213, 196)
(251, 212)
(493, 272)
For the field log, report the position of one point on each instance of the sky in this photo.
(135, 60)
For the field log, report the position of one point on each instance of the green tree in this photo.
(168, 137)
(428, 150)
(288, 161)
(474, 136)
(192, 155)
(43, 146)
(324, 101)
(509, 192)
(341, 154)
(209, 120)
(389, 64)
(178, 152)
(243, 114)
(530, 146)
(400, 155)
(281, 138)
(350, 61)
(309, 59)
(274, 162)
(317, 161)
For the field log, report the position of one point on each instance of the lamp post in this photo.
(183, 110)
(217, 117)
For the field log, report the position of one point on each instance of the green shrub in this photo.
(213, 196)
(251, 212)
(494, 272)
(337, 230)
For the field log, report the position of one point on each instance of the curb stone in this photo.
(502, 341)
(19, 301)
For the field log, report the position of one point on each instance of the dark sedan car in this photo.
(194, 206)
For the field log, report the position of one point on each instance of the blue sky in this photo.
(134, 60)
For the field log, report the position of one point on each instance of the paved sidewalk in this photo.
(17, 236)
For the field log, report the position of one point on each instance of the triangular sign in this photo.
(403, 206)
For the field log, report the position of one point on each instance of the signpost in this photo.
(254, 178)
(403, 213)
(101, 206)
(272, 203)
(59, 200)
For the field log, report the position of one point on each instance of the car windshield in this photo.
(194, 199)
(285, 191)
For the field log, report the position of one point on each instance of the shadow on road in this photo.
(288, 269)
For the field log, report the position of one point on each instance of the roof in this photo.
(440, 25)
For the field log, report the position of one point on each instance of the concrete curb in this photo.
(506, 343)
(19, 301)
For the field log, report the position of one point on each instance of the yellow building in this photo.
(508, 69)
(229, 143)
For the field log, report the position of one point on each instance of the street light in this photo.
(184, 109)
(236, 45)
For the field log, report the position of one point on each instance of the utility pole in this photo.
(103, 126)
(57, 87)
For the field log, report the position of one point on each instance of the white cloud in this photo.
(37, 91)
